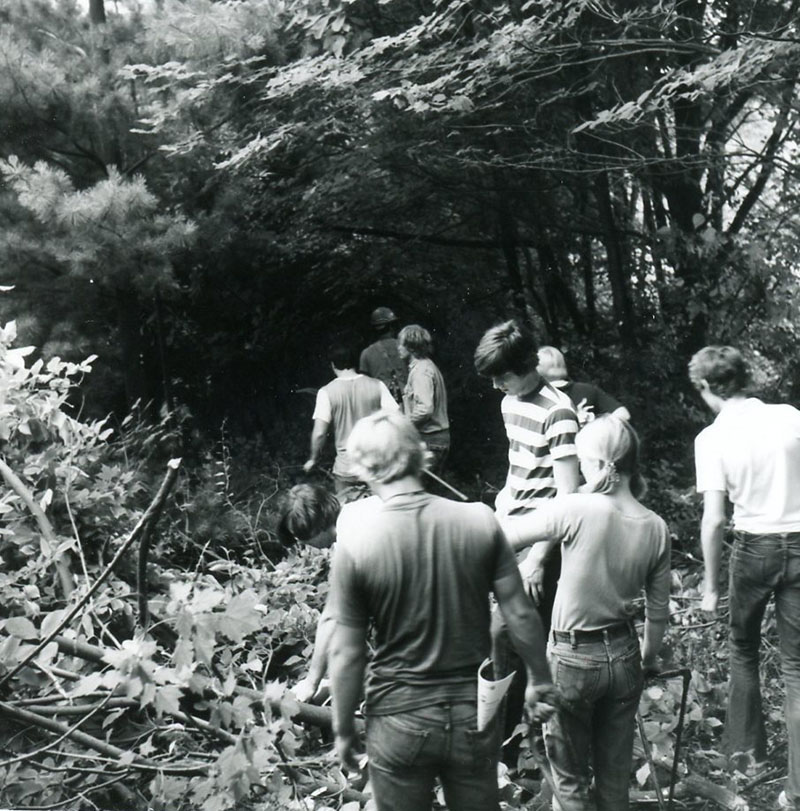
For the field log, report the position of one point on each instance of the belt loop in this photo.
(573, 639)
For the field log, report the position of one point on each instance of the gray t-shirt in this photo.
(421, 568)
(608, 557)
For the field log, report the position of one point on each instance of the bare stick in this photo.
(45, 527)
(150, 514)
(445, 484)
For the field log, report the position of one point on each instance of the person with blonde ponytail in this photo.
(612, 548)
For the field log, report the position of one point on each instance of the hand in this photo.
(709, 603)
(534, 585)
(305, 689)
(343, 745)
(650, 666)
(542, 700)
(585, 412)
(309, 465)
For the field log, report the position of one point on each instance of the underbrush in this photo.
(164, 680)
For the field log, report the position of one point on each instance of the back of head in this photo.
(552, 365)
(306, 511)
(614, 443)
(343, 354)
(506, 347)
(722, 367)
(417, 340)
(382, 319)
(385, 446)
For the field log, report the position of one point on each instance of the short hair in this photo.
(385, 446)
(343, 354)
(506, 347)
(722, 367)
(417, 340)
(615, 443)
(552, 363)
(306, 510)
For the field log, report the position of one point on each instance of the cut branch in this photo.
(151, 514)
(45, 527)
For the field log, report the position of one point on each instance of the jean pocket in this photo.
(628, 675)
(577, 680)
(392, 742)
(483, 746)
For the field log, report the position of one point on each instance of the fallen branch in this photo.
(307, 713)
(90, 742)
(150, 514)
(45, 527)
(693, 786)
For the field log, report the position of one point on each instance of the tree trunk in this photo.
(620, 294)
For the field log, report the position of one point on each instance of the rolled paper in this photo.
(490, 694)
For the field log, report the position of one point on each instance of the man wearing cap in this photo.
(381, 358)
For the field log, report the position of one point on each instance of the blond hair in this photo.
(551, 363)
(385, 446)
(615, 444)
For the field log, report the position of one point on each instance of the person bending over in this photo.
(307, 515)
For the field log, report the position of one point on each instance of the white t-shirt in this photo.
(752, 452)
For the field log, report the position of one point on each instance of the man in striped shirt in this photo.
(540, 421)
(541, 424)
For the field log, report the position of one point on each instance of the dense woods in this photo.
(198, 195)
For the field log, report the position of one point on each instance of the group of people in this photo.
(418, 573)
(391, 374)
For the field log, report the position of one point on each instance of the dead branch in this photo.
(693, 786)
(150, 514)
(45, 527)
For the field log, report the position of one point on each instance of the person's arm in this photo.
(566, 475)
(306, 688)
(422, 396)
(347, 662)
(712, 532)
(524, 530)
(651, 644)
(657, 589)
(319, 434)
(525, 627)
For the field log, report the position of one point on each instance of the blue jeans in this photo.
(763, 567)
(600, 682)
(409, 750)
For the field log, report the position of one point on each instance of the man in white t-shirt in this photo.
(342, 403)
(750, 454)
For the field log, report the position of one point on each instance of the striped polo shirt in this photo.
(541, 428)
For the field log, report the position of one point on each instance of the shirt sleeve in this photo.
(604, 402)
(560, 428)
(388, 403)
(322, 408)
(708, 464)
(421, 401)
(658, 582)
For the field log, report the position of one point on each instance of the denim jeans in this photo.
(763, 567)
(409, 750)
(600, 682)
